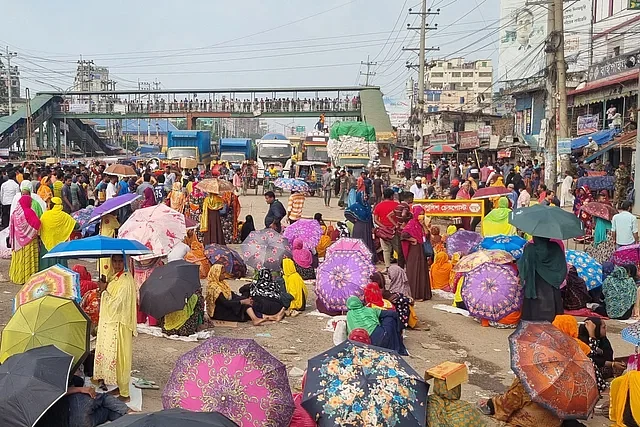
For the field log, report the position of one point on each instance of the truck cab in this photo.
(274, 149)
(190, 145)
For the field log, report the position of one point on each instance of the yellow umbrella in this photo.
(44, 321)
(476, 259)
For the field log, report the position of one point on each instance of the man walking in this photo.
(295, 206)
(344, 189)
(276, 212)
(624, 226)
(326, 186)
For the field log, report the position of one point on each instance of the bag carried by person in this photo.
(384, 233)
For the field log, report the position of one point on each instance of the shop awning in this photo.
(627, 140)
(601, 137)
(624, 84)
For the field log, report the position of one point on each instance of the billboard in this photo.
(577, 20)
(398, 108)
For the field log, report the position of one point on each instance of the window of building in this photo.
(433, 96)
(455, 74)
(432, 109)
(467, 74)
(449, 65)
(439, 63)
(484, 74)
(484, 84)
(616, 51)
(467, 84)
(462, 100)
(484, 64)
(437, 74)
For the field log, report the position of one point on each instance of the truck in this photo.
(189, 144)
(236, 151)
(274, 148)
(314, 147)
(352, 145)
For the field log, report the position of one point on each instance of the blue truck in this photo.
(236, 150)
(189, 144)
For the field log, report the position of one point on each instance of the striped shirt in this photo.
(295, 205)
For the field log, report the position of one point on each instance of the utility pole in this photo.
(368, 73)
(561, 71)
(7, 54)
(551, 146)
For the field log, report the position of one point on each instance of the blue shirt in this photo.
(124, 187)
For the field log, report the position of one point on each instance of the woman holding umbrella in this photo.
(211, 220)
(359, 213)
(583, 196)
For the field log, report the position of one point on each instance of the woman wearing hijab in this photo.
(497, 221)
(583, 196)
(177, 198)
(413, 236)
(295, 285)
(624, 408)
(195, 199)
(44, 191)
(23, 239)
(575, 295)
(542, 268)
(56, 227)
(211, 220)
(374, 299)
(247, 228)
(266, 297)
(398, 281)
(440, 271)
(108, 226)
(465, 193)
(359, 213)
(187, 321)
(303, 260)
(593, 332)
(223, 304)
(620, 293)
(383, 326)
(149, 198)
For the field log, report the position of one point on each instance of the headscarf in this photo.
(625, 389)
(398, 281)
(176, 319)
(544, 258)
(436, 238)
(496, 222)
(451, 229)
(583, 195)
(605, 351)
(414, 229)
(247, 228)
(440, 271)
(216, 287)
(265, 286)
(378, 278)
(149, 198)
(600, 233)
(86, 283)
(607, 269)
(325, 241)
(360, 335)
(44, 190)
(373, 295)
(499, 182)
(177, 197)
(360, 209)
(211, 202)
(57, 225)
(619, 292)
(301, 256)
(294, 284)
(463, 193)
(575, 295)
(361, 317)
(569, 325)
(24, 224)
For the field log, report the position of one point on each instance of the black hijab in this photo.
(605, 351)
(247, 228)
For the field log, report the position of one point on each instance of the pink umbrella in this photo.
(308, 230)
(349, 244)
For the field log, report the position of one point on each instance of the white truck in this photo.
(276, 149)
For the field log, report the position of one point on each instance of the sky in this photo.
(247, 43)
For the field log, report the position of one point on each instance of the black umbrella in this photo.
(169, 287)
(30, 383)
(174, 418)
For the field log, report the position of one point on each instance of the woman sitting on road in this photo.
(303, 259)
(295, 285)
(223, 304)
(266, 297)
(382, 326)
(594, 333)
(620, 294)
(496, 222)
(187, 321)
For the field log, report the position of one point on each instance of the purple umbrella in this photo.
(83, 216)
(342, 275)
(492, 291)
(113, 205)
(231, 261)
(463, 241)
(308, 230)
(265, 249)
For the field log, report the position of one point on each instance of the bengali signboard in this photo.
(484, 132)
(468, 140)
(504, 154)
(587, 124)
(452, 208)
(613, 66)
(441, 138)
(79, 108)
(564, 146)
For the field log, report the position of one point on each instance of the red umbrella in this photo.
(601, 210)
(440, 149)
(490, 192)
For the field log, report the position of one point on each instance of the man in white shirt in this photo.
(169, 179)
(8, 190)
(112, 190)
(624, 226)
(417, 189)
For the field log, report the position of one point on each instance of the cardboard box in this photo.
(453, 374)
(188, 163)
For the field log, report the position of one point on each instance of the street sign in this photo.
(564, 146)
(300, 128)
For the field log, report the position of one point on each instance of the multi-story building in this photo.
(15, 78)
(91, 78)
(456, 85)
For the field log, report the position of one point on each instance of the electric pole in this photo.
(368, 73)
(561, 71)
(7, 54)
(551, 146)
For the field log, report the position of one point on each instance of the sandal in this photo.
(146, 385)
(483, 406)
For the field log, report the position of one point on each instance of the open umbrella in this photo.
(48, 320)
(512, 244)
(233, 264)
(440, 149)
(601, 210)
(235, 377)
(491, 192)
(169, 287)
(308, 230)
(56, 280)
(174, 418)
(265, 249)
(492, 291)
(214, 185)
(629, 254)
(120, 170)
(291, 184)
(30, 383)
(83, 216)
(341, 275)
(483, 256)
(113, 205)
(159, 228)
(463, 241)
(356, 384)
(631, 334)
(97, 247)
(554, 370)
(586, 267)
(546, 221)
(349, 244)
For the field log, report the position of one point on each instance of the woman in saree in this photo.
(211, 220)
(359, 213)
(177, 198)
(440, 271)
(23, 237)
(413, 237)
(149, 198)
(195, 199)
(108, 226)
(56, 227)
(497, 221)
(230, 220)
(383, 326)
(116, 329)
(265, 297)
(583, 196)
(295, 285)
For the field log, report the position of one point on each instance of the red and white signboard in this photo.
(452, 208)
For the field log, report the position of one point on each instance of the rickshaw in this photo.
(249, 173)
(311, 173)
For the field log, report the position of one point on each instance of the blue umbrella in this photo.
(291, 184)
(631, 334)
(587, 268)
(512, 244)
(113, 204)
(97, 247)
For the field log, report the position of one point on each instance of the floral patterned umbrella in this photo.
(341, 275)
(57, 280)
(512, 244)
(265, 249)
(586, 267)
(349, 244)
(631, 334)
(308, 230)
(291, 184)
(231, 260)
(627, 255)
(83, 216)
(355, 384)
(492, 291)
(235, 377)
(476, 259)
(550, 363)
(601, 210)
(159, 228)
(463, 241)
(214, 185)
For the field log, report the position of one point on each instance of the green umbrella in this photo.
(546, 221)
